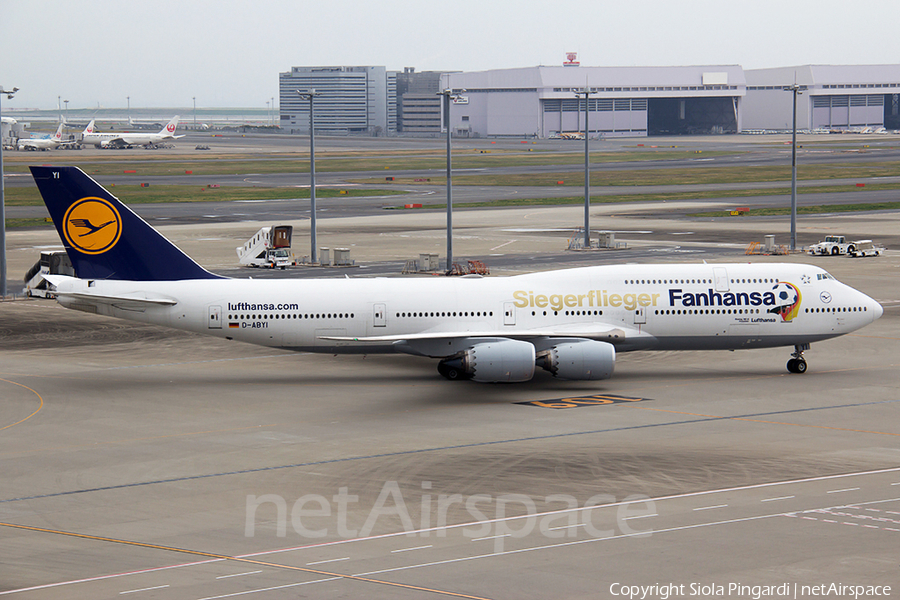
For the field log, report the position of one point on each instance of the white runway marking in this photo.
(711, 507)
(330, 560)
(411, 549)
(238, 574)
(158, 587)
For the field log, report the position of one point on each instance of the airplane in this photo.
(570, 322)
(127, 140)
(43, 143)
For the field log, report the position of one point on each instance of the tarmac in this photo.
(151, 463)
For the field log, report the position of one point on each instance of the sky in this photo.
(228, 53)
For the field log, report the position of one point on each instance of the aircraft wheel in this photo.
(796, 365)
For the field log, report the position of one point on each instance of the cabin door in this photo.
(509, 313)
(379, 315)
(215, 317)
(721, 277)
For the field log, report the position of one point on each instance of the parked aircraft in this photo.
(43, 143)
(497, 329)
(127, 140)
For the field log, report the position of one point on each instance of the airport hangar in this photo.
(836, 97)
(625, 101)
(645, 101)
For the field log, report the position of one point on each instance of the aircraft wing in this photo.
(437, 344)
(597, 331)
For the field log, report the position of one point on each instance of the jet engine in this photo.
(579, 359)
(492, 361)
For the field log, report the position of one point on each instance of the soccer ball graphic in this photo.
(786, 298)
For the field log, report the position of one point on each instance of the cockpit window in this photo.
(821, 276)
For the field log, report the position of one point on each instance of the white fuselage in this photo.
(127, 139)
(39, 144)
(44, 143)
(633, 307)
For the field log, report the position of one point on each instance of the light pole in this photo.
(796, 92)
(67, 110)
(128, 100)
(448, 95)
(267, 112)
(310, 95)
(586, 92)
(273, 111)
(194, 98)
(9, 95)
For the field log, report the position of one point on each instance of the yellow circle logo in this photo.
(92, 225)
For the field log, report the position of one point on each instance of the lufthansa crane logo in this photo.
(92, 225)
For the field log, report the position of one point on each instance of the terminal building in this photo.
(10, 131)
(351, 100)
(419, 105)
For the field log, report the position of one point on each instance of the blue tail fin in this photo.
(104, 238)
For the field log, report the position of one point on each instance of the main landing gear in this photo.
(797, 364)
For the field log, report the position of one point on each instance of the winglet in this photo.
(104, 238)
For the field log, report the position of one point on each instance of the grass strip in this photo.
(226, 164)
(135, 194)
(665, 197)
(679, 176)
(808, 210)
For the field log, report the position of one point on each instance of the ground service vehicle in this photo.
(50, 263)
(269, 247)
(865, 248)
(832, 245)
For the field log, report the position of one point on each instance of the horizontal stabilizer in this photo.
(139, 300)
(126, 302)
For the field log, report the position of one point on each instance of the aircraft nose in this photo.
(877, 309)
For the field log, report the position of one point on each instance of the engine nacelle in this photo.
(492, 361)
(585, 359)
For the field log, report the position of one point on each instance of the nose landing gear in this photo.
(797, 364)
